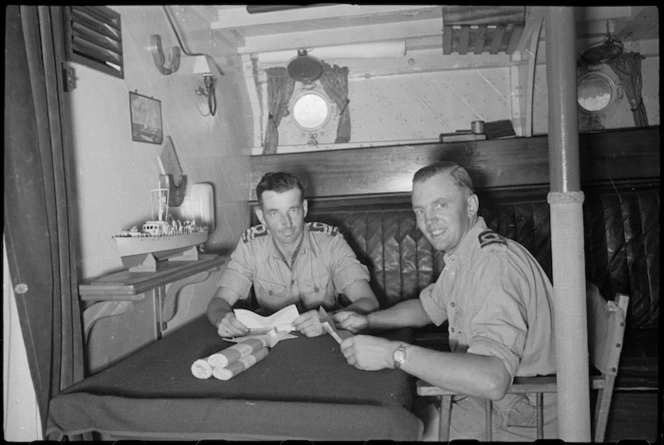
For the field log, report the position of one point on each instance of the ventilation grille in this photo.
(480, 30)
(93, 37)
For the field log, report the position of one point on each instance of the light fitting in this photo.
(305, 68)
(604, 51)
(201, 66)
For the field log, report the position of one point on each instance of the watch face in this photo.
(399, 356)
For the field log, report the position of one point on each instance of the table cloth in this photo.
(303, 389)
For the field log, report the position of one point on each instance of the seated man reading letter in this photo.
(289, 262)
(499, 303)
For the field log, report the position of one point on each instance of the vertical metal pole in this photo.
(566, 200)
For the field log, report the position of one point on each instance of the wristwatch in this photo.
(399, 355)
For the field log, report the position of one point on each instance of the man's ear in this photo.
(305, 207)
(259, 215)
(473, 204)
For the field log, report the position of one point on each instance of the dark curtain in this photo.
(628, 68)
(335, 83)
(37, 201)
(280, 88)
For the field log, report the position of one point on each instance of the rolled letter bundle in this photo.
(231, 361)
(242, 364)
(201, 369)
(235, 352)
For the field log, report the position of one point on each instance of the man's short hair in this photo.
(278, 182)
(459, 175)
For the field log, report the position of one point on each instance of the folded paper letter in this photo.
(281, 320)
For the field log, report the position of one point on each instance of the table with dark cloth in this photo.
(303, 389)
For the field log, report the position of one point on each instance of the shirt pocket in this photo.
(316, 290)
(270, 294)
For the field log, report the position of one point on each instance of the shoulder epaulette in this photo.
(254, 232)
(322, 227)
(489, 237)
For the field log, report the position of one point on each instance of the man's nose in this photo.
(288, 221)
(430, 215)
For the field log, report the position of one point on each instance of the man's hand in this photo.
(369, 353)
(309, 324)
(229, 326)
(351, 321)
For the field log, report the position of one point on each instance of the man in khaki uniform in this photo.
(288, 262)
(499, 304)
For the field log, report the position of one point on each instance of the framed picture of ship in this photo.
(146, 123)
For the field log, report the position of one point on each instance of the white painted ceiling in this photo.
(225, 30)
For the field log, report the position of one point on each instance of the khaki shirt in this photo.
(323, 267)
(498, 301)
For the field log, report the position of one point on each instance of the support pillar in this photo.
(566, 201)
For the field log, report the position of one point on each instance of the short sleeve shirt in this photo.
(323, 267)
(498, 301)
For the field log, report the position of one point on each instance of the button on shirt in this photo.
(498, 301)
(322, 268)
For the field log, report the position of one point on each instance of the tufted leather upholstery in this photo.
(621, 226)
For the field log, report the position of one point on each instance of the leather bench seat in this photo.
(621, 224)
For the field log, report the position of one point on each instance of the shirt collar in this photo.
(306, 246)
(465, 249)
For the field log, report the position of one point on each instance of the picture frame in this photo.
(146, 123)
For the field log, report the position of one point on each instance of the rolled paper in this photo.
(239, 366)
(201, 369)
(234, 353)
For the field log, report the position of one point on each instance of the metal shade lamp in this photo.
(305, 68)
(603, 52)
(201, 66)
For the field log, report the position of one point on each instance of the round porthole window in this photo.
(311, 111)
(596, 92)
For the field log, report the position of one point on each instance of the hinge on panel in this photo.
(69, 78)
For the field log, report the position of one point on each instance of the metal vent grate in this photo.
(487, 29)
(93, 37)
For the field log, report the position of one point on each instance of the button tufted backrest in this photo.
(621, 224)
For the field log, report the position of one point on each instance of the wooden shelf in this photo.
(129, 286)
(519, 162)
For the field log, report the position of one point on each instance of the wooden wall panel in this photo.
(606, 156)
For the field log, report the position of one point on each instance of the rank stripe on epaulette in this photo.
(254, 232)
(322, 227)
(490, 237)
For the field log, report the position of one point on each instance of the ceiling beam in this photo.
(238, 17)
(342, 36)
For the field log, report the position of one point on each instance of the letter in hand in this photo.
(309, 324)
(229, 327)
(351, 321)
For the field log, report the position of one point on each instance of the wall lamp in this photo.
(201, 66)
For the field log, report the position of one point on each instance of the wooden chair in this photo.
(606, 327)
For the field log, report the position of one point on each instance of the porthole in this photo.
(311, 111)
(597, 91)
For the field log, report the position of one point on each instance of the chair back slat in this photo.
(606, 329)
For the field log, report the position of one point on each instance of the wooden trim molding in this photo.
(503, 163)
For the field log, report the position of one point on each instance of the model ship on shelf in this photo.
(162, 238)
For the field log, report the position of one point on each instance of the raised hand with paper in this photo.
(309, 324)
